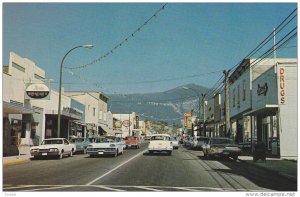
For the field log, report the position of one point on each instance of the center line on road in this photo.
(107, 173)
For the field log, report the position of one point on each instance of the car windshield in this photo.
(160, 137)
(77, 140)
(104, 140)
(221, 141)
(52, 142)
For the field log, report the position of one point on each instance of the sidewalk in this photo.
(282, 167)
(24, 157)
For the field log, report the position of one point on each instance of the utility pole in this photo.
(227, 106)
(203, 108)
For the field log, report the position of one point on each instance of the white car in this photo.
(105, 146)
(53, 147)
(199, 141)
(160, 143)
(175, 142)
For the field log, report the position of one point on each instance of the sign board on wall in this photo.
(37, 91)
(281, 87)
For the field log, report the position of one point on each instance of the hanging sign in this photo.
(37, 91)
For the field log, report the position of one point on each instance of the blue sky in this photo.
(183, 40)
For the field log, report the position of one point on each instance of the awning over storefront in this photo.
(105, 128)
(267, 110)
(15, 108)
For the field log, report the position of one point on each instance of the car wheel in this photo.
(235, 157)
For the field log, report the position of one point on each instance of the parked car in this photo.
(53, 147)
(175, 142)
(105, 146)
(188, 142)
(81, 143)
(223, 147)
(199, 141)
(160, 143)
(132, 141)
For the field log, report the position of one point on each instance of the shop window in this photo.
(16, 127)
(238, 96)
(244, 90)
(34, 126)
(233, 97)
(23, 131)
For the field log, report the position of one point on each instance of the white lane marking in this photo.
(147, 188)
(21, 186)
(50, 188)
(107, 188)
(107, 173)
(186, 189)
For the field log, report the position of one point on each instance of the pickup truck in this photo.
(132, 141)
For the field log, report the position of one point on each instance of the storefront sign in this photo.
(187, 114)
(262, 90)
(37, 91)
(126, 123)
(281, 86)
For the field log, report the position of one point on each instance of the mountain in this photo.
(167, 106)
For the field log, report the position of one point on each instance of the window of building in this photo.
(244, 90)
(17, 66)
(233, 97)
(238, 96)
(38, 77)
(94, 111)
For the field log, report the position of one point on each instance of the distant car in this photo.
(175, 142)
(160, 143)
(53, 147)
(105, 146)
(223, 147)
(147, 138)
(132, 141)
(81, 143)
(199, 141)
(188, 142)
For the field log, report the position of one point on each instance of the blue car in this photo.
(81, 143)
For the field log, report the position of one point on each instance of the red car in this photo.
(132, 141)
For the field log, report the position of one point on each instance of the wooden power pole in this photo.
(227, 104)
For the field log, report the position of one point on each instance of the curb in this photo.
(17, 161)
(291, 178)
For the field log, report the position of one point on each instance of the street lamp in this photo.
(87, 46)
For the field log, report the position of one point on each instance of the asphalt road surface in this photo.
(136, 170)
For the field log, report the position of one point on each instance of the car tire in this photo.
(235, 157)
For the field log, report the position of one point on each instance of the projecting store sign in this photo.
(37, 91)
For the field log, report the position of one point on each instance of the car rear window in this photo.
(160, 138)
(52, 142)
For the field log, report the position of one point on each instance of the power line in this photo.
(109, 52)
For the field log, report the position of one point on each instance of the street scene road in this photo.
(137, 170)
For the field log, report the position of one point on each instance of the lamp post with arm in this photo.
(88, 46)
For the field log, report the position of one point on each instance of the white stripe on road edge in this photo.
(108, 188)
(186, 189)
(107, 173)
(66, 186)
(147, 188)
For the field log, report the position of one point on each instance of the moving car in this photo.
(199, 141)
(132, 141)
(175, 142)
(223, 147)
(53, 147)
(160, 143)
(105, 146)
(81, 143)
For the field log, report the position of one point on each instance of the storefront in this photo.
(274, 109)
